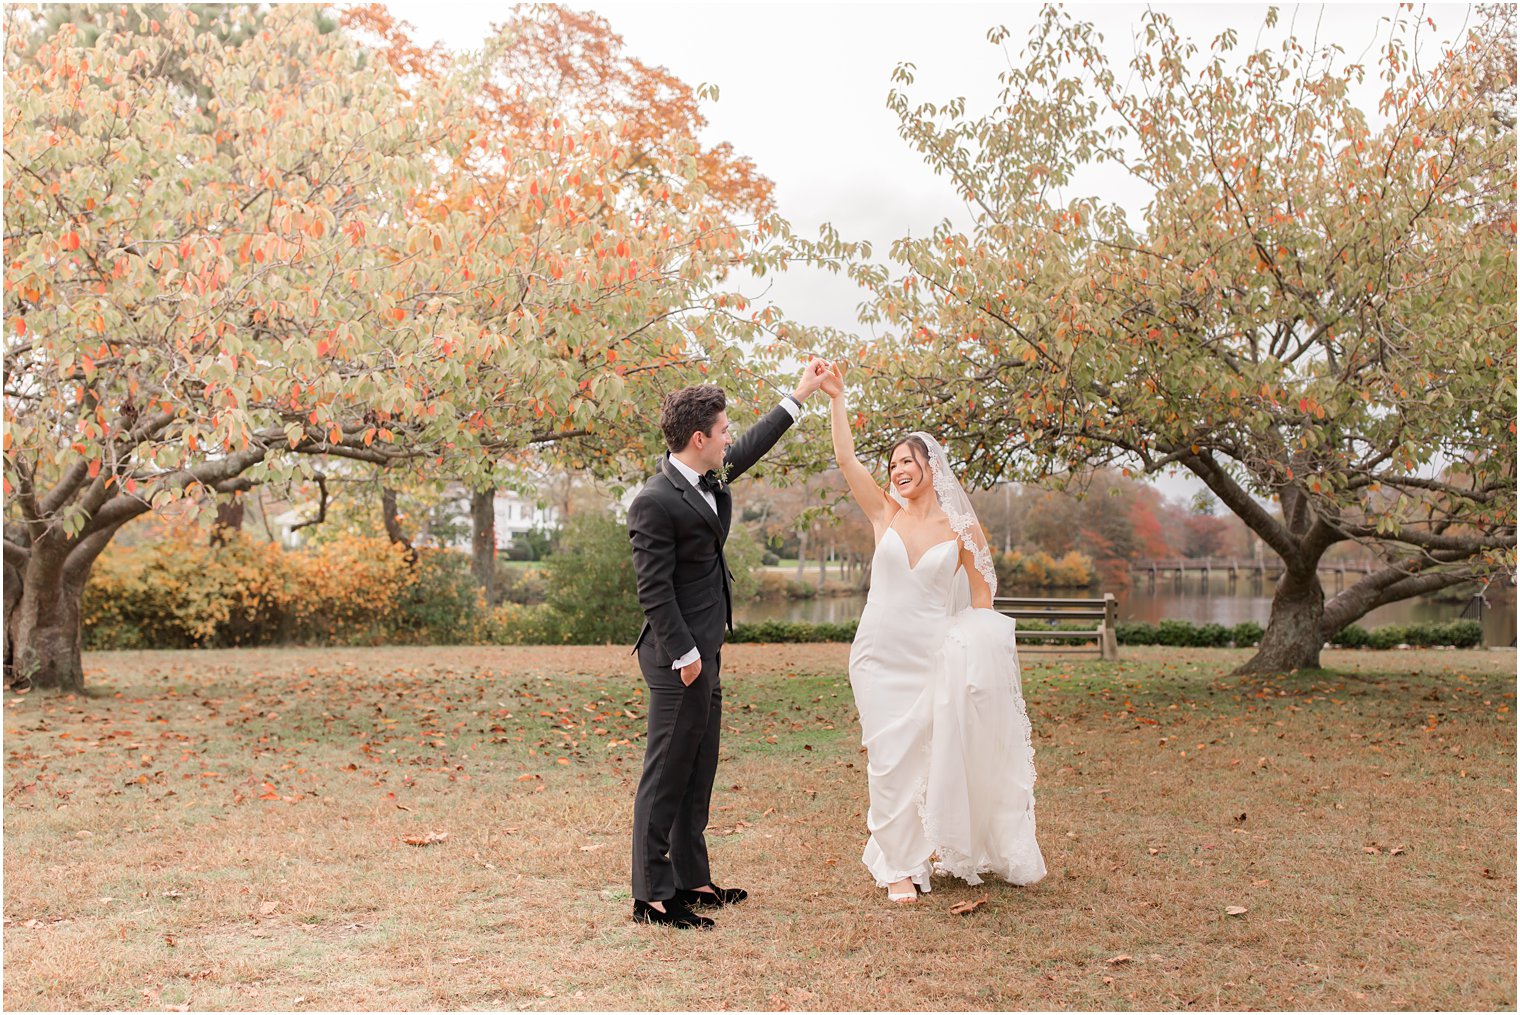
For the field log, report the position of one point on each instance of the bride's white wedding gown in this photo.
(942, 715)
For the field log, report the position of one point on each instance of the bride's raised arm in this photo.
(873, 500)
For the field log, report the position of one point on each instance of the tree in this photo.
(1309, 311)
(548, 63)
(205, 294)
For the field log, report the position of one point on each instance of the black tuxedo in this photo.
(686, 591)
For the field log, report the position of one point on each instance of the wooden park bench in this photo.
(1102, 613)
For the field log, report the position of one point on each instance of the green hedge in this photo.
(1457, 633)
(786, 631)
(1177, 633)
(1181, 633)
(1184, 634)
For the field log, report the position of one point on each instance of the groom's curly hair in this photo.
(685, 412)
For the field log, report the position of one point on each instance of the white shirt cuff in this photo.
(792, 406)
(687, 659)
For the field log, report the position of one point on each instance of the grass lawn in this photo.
(229, 829)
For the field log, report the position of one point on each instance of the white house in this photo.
(516, 515)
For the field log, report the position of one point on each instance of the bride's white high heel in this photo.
(911, 895)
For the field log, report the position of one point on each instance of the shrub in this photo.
(1459, 633)
(535, 544)
(518, 624)
(1134, 632)
(443, 604)
(522, 585)
(1247, 634)
(792, 631)
(181, 592)
(346, 591)
(1350, 636)
(592, 589)
(1174, 632)
(1211, 636)
(743, 553)
(1040, 570)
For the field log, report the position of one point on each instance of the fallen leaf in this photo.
(1118, 960)
(962, 908)
(1235, 910)
(593, 847)
(1395, 851)
(430, 839)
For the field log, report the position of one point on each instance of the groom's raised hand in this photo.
(812, 378)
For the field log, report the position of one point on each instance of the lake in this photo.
(1198, 601)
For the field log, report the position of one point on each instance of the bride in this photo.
(936, 679)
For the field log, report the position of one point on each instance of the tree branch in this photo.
(17, 555)
(1273, 532)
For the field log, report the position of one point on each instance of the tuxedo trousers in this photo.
(670, 809)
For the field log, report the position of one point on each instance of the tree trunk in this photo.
(393, 523)
(44, 628)
(229, 519)
(1294, 634)
(802, 541)
(483, 539)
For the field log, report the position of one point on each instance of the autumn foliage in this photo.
(1312, 310)
(290, 251)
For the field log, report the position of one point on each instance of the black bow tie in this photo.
(710, 482)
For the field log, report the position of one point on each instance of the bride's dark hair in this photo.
(920, 451)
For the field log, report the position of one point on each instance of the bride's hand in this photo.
(833, 381)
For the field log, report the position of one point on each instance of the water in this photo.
(1198, 601)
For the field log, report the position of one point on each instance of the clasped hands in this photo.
(818, 375)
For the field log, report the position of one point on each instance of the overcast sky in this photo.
(803, 92)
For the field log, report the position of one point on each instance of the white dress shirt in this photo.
(692, 475)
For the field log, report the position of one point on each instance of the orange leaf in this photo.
(962, 908)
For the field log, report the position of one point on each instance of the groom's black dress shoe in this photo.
(676, 915)
(711, 900)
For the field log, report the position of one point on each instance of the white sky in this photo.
(803, 92)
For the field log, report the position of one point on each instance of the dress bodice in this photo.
(927, 584)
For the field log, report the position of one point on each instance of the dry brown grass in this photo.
(224, 830)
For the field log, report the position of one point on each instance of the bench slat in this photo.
(1068, 635)
(1054, 615)
(1036, 601)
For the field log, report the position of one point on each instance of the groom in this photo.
(677, 525)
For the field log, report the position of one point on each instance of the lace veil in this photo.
(957, 507)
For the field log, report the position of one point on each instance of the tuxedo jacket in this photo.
(685, 587)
